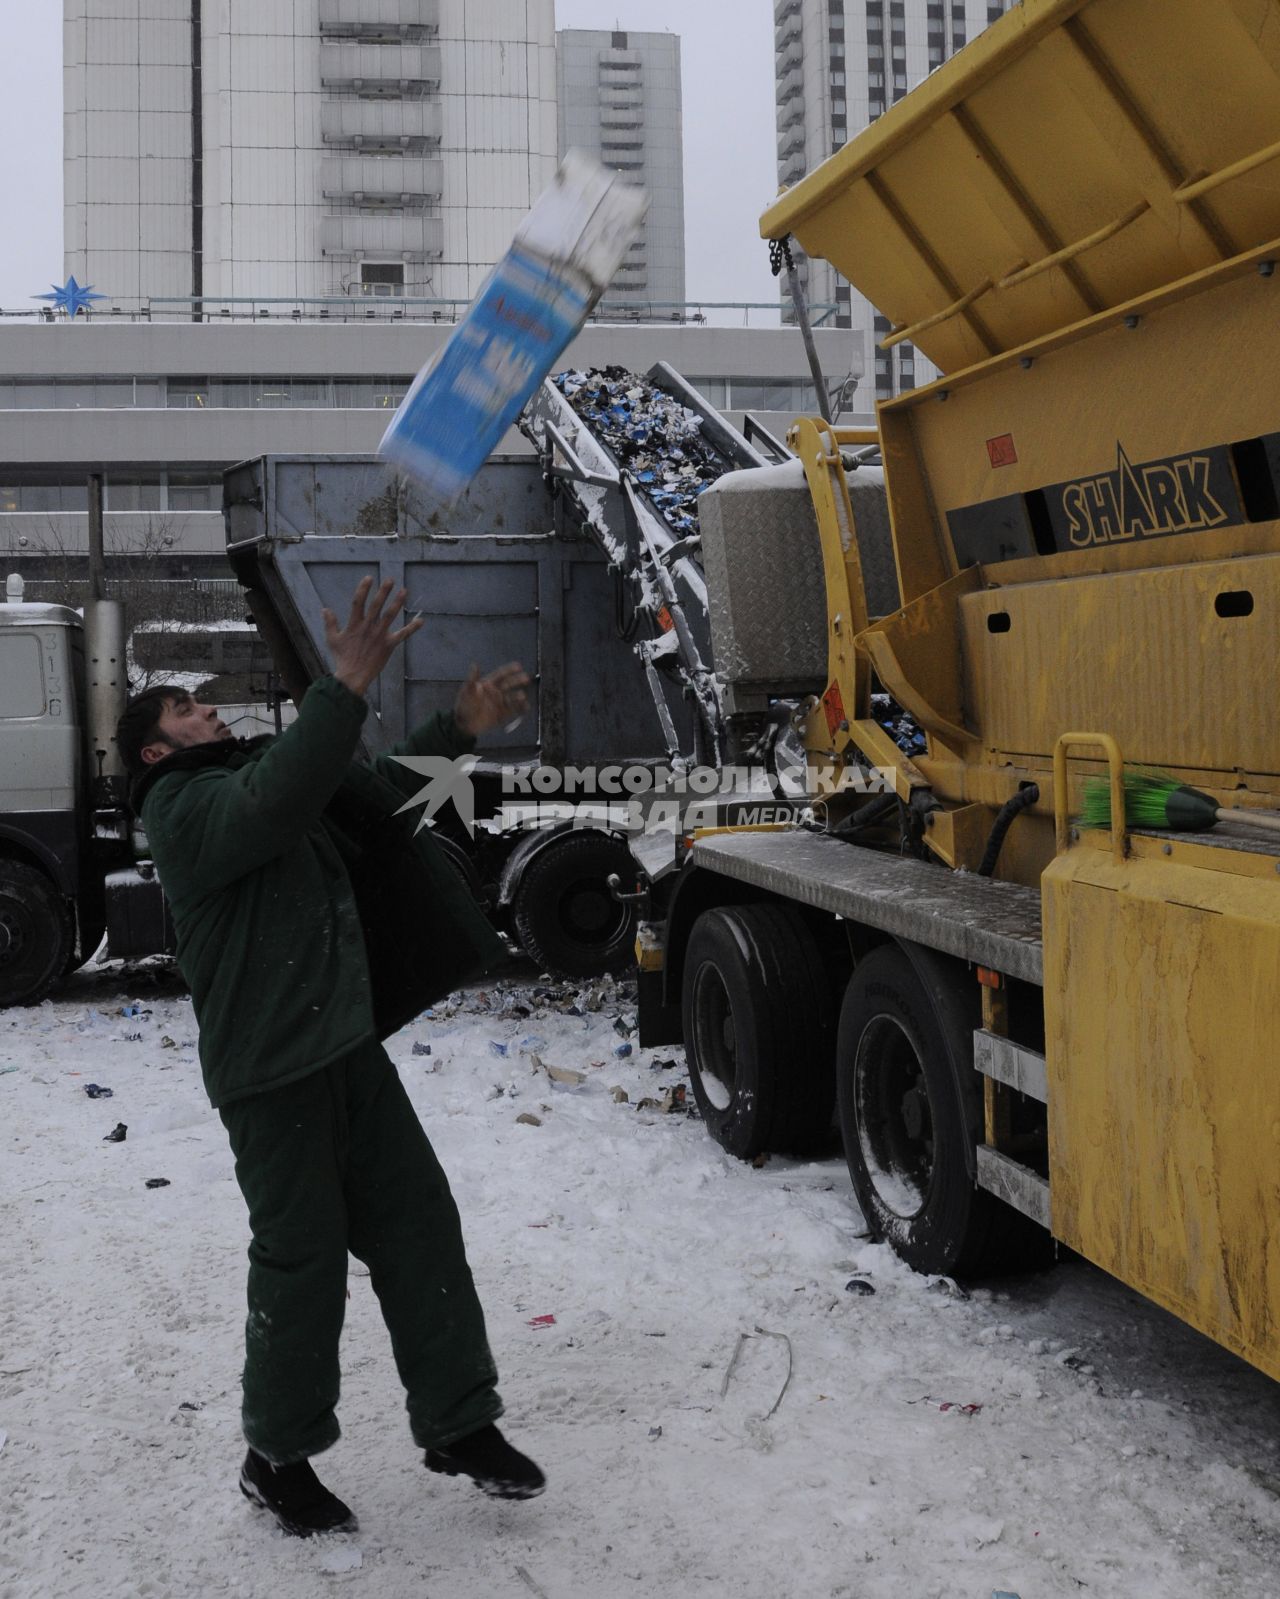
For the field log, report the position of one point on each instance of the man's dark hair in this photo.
(140, 724)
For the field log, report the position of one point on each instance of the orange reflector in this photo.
(989, 979)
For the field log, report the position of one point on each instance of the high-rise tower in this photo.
(839, 65)
(302, 148)
(620, 100)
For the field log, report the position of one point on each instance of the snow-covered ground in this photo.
(1048, 1437)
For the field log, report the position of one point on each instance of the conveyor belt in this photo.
(631, 454)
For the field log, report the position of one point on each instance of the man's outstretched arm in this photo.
(220, 824)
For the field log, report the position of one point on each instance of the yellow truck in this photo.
(1027, 1028)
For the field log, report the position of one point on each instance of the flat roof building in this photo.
(163, 408)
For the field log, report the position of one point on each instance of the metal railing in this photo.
(406, 308)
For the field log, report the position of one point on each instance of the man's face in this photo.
(184, 724)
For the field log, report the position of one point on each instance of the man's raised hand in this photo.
(362, 648)
(487, 702)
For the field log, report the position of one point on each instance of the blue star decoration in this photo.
(70, 297)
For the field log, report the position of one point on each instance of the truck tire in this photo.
(563, 913)
(759, 1030)
(904, 1049)
(36, 934)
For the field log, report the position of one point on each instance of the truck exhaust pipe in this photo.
(107, 683)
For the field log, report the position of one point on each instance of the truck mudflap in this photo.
(138, 919)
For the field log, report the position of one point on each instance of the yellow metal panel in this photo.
(1132, 102)
(1162, 1012)
(959, 837)
(921, 549)
(1227, 96)
(1144, 655)
(916, 653)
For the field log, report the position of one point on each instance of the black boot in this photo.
(491, 1463)
(295, 1496)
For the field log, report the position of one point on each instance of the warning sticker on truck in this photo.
(833, 706)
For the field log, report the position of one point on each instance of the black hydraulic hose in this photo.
(1011, 808)
(866, 815)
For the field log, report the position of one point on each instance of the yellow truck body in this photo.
(1078, 219)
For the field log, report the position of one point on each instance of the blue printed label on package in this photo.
(459, 408)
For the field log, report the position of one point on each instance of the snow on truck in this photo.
(1026, 1027)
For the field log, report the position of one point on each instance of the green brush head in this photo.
(1096, 809)
(1151, 799)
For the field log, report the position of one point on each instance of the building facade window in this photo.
(126, 489)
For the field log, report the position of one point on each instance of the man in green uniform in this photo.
(312, 922)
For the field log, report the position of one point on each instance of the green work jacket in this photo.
(309, 917)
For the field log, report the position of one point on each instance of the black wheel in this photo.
(758, 1029)
(36, 934)
(564, 914)
(905, 1046)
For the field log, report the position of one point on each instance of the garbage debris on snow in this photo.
(157, 1182)
(564, 1075)
(674, 1099)
(948, 1406)
(117, 1134)
(97, 1091)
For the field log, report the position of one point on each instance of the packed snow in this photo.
(732, 1390)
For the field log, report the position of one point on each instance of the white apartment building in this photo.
(839, 65)
(223, 149)
(619, 96)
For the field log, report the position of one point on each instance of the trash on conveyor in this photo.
(651, 435)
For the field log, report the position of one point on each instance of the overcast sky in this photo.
(729, 162)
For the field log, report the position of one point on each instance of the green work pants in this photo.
(335, 1162)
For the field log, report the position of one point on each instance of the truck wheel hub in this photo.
(11, 936)
(895, 1120)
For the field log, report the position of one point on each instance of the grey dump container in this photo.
(502, 576)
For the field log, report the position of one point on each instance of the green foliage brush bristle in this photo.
(1151, 799)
